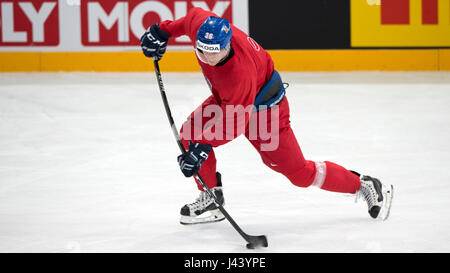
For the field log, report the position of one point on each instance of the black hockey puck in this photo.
(251, 246)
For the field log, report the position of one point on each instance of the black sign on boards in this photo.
(300, 24)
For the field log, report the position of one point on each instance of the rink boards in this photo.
(285, 60)
(303, 35)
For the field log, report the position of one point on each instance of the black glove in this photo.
(154, 42)
(191, 161)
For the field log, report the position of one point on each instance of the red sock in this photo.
(337, 178)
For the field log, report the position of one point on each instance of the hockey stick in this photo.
(252, 241)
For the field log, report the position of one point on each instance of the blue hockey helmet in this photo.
(214, 34)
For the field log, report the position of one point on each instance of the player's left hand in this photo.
(191, 161)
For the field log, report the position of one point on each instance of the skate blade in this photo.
(214, 216)
(388, 195)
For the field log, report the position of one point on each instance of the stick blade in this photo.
(257, 241)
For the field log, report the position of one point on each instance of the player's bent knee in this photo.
(303, 177)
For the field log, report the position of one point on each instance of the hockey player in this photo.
(240, 72)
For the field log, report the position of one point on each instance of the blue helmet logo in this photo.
(214, 34)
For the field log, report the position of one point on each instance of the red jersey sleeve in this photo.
(187, 25)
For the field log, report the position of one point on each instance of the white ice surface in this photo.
(88, 164)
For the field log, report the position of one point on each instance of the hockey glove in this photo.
(154, 42)
(191, 161)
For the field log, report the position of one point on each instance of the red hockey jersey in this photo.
(235, 83)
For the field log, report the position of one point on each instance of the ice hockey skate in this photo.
(377, 195)
(204, 210)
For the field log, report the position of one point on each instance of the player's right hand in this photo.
(191, 161)
(154, 42)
